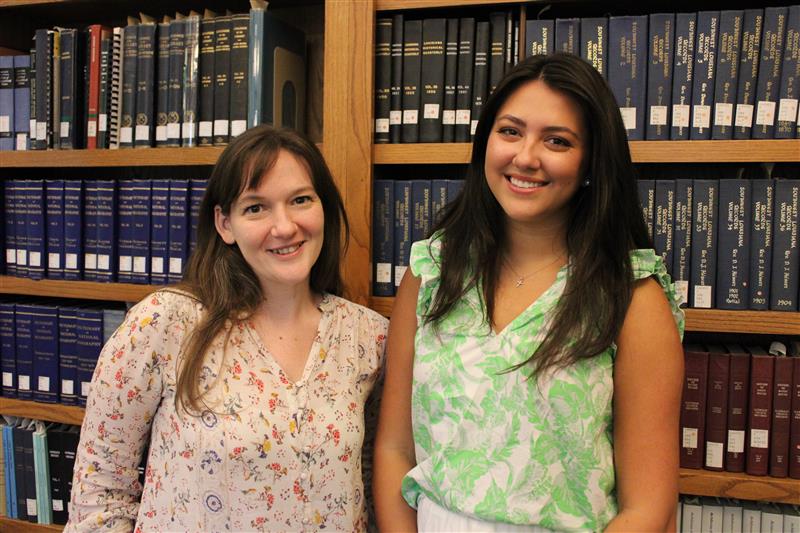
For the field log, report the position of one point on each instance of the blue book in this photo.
(438, 199)
(197, 189)
(54, 219)
(130, 40)
(22, 101)
(26, 433)
(382, 237)
(142, 195)
(420, 211)
(89, 331)
(68, 354)
(568, 35)
(23, 323)
(705, 57)
(10, 468)
(454, 188)
(647, 199)
(112, 320)
(659, 75)
(539, 37)
(159, 231)
(6, 102)
(749, 57)
(594, 43)
(42, 474)
(106, 229)
(10, 229)
(733, 244)
(705, 195)
(125, 231)
(45, 353)
(18, 194)
(178, 228)
(8, 350)
(190, 80)
(769, 72)
(762, 205)
(73, 229)
(90, 244)
(627, 70)
(726, 75)
(664, 220)
(402, 228)
(787, 126)
(35, 227)
(785, 252)
(682, 69)
(682, 239)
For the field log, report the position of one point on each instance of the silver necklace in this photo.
(520, 281)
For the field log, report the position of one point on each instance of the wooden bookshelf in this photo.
(51, 412)
(741, 486)
(391, 5)
(84, 290)
(10, 525)
(141, 157)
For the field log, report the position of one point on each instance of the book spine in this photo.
(10, 230)
(205, 134)
(22, 101)
(693, 408)
(8, 350)
(44, 72)
(568, 35)
(738, 387)
(682, 70)
(383, 78)
(420, 210)
(30, 475)
(733, 244)
(727, 70)
(434, 33)
(190, 80)
(106, 230)
(145, 85)
(73, 229)
(763, 195)
(716, 409)
(704, 242)
(785, 253)
(402, 228)
(480, 74)
(239, 81)
(178, 228)
(705, 57)
(664, 220)
(466, 63)
(659, 75)
(497, 49)
(6, 103)
(749, 57)
(115, 89)
(89, 342)
(35, 228)
(769, 72)
(781, 423)
(383, 237)
(125, 221)
(222, 75)
(45, 353)
(19, 472)
(68, 93)
(177, 40)
(412, 64)
(54, 220)
(21, 209)
(40, 467)
(23, 323)
(450, 82)
(594, 43)
(162, 83)
(626, 68)
(682, 237)
(794, 429)
(539, 37)
(762, 371)
(32, 108)
(396, 87)
(197, 188)
(142, 205)
(130, 54)
(454, 188)
(89, 231)
(159, 231)
(438, 199)
(787, 126)
(647, 200)
(93, 104)
(68, 355)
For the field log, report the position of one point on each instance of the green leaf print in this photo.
(466, 468)
(493, 502)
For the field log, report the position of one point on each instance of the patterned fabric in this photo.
(266, 454)
(497, 446)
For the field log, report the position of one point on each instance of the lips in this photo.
(521, 183)
(287, 250)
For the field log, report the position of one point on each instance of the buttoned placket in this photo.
(300, 398)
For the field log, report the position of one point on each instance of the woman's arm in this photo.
(648, 374)
(394, 445)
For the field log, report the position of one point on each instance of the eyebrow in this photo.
(250, 195)
(518, 121)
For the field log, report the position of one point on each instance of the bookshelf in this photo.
(10, 525)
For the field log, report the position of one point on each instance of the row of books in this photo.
(725, 515)
(185, 81)
(740, 410)
(48, 351)
(131, 231)
(403, 212)
(728, 243)
(37, 461)
(730, 74)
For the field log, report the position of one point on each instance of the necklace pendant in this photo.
(520, 282)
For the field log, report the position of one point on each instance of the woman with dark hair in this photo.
(535, 365)
(250, 377)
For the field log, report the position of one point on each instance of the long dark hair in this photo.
(604, 223)
(218, 275)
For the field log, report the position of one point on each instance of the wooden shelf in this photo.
(752, 151)
(707, 320)
(742, 486)
(136, 157)
(51, 412)
(10, 525)
(392, 5)
(84, 290)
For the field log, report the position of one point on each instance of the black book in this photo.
(30, 474)
(466, 64)
(32, 108)
(497, 51)
(130, 57)
(567, 36)
(396, 87)
(412, 70)
(594, 43)
(480, 74)
(205, 135)
(222, 74)
(450, 81)
(190, 80)
(145, 85)
(659, 75)
(762, 205)
(749, 56)
(383, 78)
(769, 72)
(103, 104)
(432, 79)
(55, 452)
(72, 62)
(19, 472)
(43, 80)
(785, 252)
(682, 69)
(733, 244)
(539, 37)
(787, 125)
(240, 29)
(70, 439)
(177, 38)
(162, 82)
(730, 39)
(705, 56)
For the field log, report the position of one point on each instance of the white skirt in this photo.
(433, 518)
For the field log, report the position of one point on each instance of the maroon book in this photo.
(693, 406)
(738, 394)
(781, 407)
(762, 372)
(716, 406)
(794, 432)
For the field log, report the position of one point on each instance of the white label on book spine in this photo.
(35, 259)
(11, 256)
(143, 133)
(736, 440)
(23, 382)
(689, 438)
(22, 257)
(398, 274)
(103, 261)
(658, 115)
(175, 265)
(85, 386)
(8, 379)
(41, 130)
(44, 384)
(161, 133)
(54, 260)
(71, 261)
(462, 116)
(680, 116)
(765, 113)
(701, 117)
(126, 135)
(395, 118)
(157, 265)
(383, 272)
(102, 122)
(30, 503)
(188, 130)
(91, 129)
(787, 111)
(221, 127)
(22, 141)
(58, 505)
(744, 116)
(5, 124)
(473, 126)
(714, 453)
(759, 438)
(723, 115)
(32, 128)
(381, 125)
(173, 131)
(702, 296)
(410, 116)
(628, 117)
(431, 111)
(90, 261)
(682, 288)
(238, 127)
(65, 129)
(206, 128)
(449, 117)
(67, 386)
(139, 264)
(125, 263)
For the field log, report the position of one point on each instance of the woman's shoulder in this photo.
(425, 257)
(646, 263)
(171, 303)
(359, 313)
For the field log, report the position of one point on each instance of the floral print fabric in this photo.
(499, 447)
(266, 453)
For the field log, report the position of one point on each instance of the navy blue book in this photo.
(594, 43)
(23, 323)
(382, 237)
(73, 229)
(89, 332)
(89, 231)
(222, 80)
(787, 126)
(197, 188)
(466, 63)
(10, 229)
(659, 75)
(450, 82)
(68, 354)
(705, 57)
(162, 82)
(190, 80)
(402, 228)
(125, 223)
(726, 75)
(240, 83)
(647, 199)
(35, 226)
(19, 194)
(480, 74)
(497, 49)
(177, 35)
(8, 350)
(45, 353)
(145, 85)
(769, 72)
(142, 195)
(396, 87)
(31, 507)
(785, 252)
(434, 33)
(664, 220)
(420, 211)
(54, 201)
(438, 199)
(682, 70)
(159, 231)
(539, 37)
(208, 26)
(70, 134)
(762, 204)
(627, 70)
(568, 35)
(682, 239)
(733, 244)
(6, 103)
(383, 78)
(19, 471)
(178, 228)
(106, 230)
(412, 71)
(10, 474)
(705, 195)
(749, 57)
(22, 101)
(454, 188)
(130, 41)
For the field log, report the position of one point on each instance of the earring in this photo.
(587, 181)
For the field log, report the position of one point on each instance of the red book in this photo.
(762, 372)
(781, 407)
(96, 33)
(716, 406)
(794, 432)
(738, 393)
(693, 406)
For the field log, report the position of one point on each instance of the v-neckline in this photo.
(535, 303)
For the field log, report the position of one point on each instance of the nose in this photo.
(527, 156)
(283, 224)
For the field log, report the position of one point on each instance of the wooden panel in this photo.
(51, 412)
(391, 5)
(200, 155)
(422, 153)
(84, 290)
(742, 486)
(10, 525)
(19, 3)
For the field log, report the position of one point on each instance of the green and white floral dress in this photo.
(499, 447)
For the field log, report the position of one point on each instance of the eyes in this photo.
(255, 207)
(553, 140)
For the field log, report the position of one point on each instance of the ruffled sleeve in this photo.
(425, 262)
(647, 263)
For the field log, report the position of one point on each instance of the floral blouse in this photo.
(266, 453)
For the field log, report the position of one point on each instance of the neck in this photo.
(526, 247)
(288, 303)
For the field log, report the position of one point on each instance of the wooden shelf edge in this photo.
(391, 5)
(84, 290)
(12, 525)
(741, 486)
(51, 412)
(22, 3)
(141, 157)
